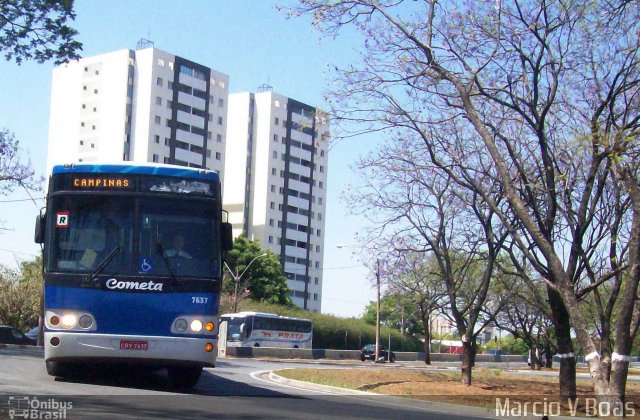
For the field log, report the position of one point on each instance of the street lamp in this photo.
(237, 279)
(377, 353)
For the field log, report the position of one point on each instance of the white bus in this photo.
(258, 329)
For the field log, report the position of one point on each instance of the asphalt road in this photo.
(236, 388)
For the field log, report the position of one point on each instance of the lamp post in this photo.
(237, 279)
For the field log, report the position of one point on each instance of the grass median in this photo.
(488, 385)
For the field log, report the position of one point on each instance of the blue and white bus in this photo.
(132, 267)
(260, 329)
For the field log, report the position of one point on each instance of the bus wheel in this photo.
(256, 345)
(295, 347)
(184, 377)
(58, 368)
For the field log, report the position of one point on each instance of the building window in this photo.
(221, 102)
(273, 171)
(157, 137)
(272, 205)
(319, 216)
(277, 121)
(158, 100)
(316, 280)
(270, 222)
(318, 233)
(84, 106)
(270, 239)
(95, 109)
(275, 154)
(93, 146)
(219, 120)
(160, 62)
(95, 91)
(159, 81)
(321, 169)
(317, 264)
(81, 124)
(166, 141)
(321, 184)
(319, 200)
(170, 85)
(81, 142)
(321, 153)
(218, 156)
(275, 137)
(219, 138)
(158, 119)
(315, 296)
(317, 248)
(155, 157)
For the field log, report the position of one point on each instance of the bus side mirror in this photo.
(241, 329)
(40, 229)
(226, 231)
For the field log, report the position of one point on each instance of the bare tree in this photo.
(521, 83)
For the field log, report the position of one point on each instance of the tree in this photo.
(540, 98)
(12, 171)
(38, 30)
(20, 292)
(262, 281)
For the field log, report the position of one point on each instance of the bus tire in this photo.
(295, 347)
(256, 345)
(184, 377)
(57, 368)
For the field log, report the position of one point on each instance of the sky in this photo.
(252, 42)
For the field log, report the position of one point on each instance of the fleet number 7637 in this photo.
(197, 299)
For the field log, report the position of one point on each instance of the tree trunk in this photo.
(548, 356)
(560, 318)
(468, 360)
(427, 341)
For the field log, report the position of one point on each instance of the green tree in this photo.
(258, 277)
(20, 292)
(38, 30)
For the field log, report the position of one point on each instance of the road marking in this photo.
(256, 375)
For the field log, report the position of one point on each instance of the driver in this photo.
(177, 241)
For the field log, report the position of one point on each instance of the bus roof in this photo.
(143, 168)
(263, 314)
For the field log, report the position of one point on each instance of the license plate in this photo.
(134, 345)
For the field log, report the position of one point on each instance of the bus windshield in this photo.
(147, 236)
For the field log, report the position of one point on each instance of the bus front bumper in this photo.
(152, 350)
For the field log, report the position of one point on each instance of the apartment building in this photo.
(141, 105)
(275, 184)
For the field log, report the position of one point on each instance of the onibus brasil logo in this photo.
(25, 407)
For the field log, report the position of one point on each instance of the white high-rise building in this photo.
(275, 184)
(142, 106)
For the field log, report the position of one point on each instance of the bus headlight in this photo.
(196, 325)
(85, 321)
(62, 319)
(69, 320)
(180, 324)
(193, 324)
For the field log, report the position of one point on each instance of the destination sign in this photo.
(101, 182)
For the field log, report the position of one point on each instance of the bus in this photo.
(257, 329)
(132, 257)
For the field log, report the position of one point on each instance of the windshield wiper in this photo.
(104, 263)
(160, 250)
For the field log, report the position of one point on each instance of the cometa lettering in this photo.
(150, 285)
(100, 183)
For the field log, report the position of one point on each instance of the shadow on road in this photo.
(137, 377)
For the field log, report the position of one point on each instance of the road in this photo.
(234, 389)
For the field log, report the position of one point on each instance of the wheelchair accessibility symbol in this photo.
(146, 265)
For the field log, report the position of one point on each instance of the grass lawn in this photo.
(487, 385)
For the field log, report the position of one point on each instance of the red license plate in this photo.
(134, 345)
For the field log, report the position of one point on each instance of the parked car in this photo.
(33, 333)
(10, 335)
(495, 352)
(369, 352)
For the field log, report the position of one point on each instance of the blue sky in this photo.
(250, 41)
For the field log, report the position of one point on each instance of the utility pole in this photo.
(237, 279)
(377, 354)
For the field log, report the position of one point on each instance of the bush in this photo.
(331, 332)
